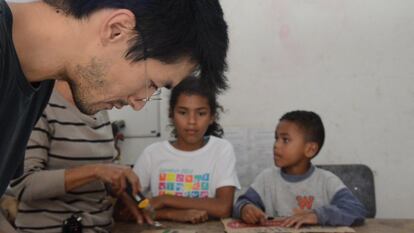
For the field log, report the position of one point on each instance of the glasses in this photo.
(157, 93)
(155, 96)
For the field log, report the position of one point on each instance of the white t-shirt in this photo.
(163, 169)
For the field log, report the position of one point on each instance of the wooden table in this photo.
(370, 226)
(387, 226)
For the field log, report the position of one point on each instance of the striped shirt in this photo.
(64, 138)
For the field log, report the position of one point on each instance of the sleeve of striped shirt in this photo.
(37, 182)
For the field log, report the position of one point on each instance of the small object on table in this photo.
(157, 224)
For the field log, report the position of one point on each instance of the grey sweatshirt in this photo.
(278, 194)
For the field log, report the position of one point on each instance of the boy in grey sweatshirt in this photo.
(295, 189)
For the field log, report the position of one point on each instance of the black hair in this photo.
(168, 30)
(310, 123)
(193, 86)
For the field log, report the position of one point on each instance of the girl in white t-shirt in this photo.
(192, 177)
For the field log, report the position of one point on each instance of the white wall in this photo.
(351, 61)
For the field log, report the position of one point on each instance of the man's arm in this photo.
(36, 179)
(115, 175)
(39, 183)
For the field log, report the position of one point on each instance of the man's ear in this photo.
(118, 26)
(311, 148)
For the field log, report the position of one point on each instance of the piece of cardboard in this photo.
(270, 226)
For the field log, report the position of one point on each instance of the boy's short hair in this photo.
(310, 123)
(168, 30)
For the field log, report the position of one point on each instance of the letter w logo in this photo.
(305, 202)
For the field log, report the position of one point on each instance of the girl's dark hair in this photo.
(194, 86)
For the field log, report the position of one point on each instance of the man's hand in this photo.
(300, 218)
(252, 215)
(129, 210)
(117, 176)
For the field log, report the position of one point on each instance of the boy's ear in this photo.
(311, 149)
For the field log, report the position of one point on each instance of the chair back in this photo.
(359, 179)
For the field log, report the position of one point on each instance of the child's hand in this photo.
(251, 214)
(157, 202)
(299, 218)
(191, 215)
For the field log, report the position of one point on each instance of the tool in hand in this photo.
(142, 202)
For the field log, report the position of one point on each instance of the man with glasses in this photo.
(111, 53)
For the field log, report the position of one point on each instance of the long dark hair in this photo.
(194, 86)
